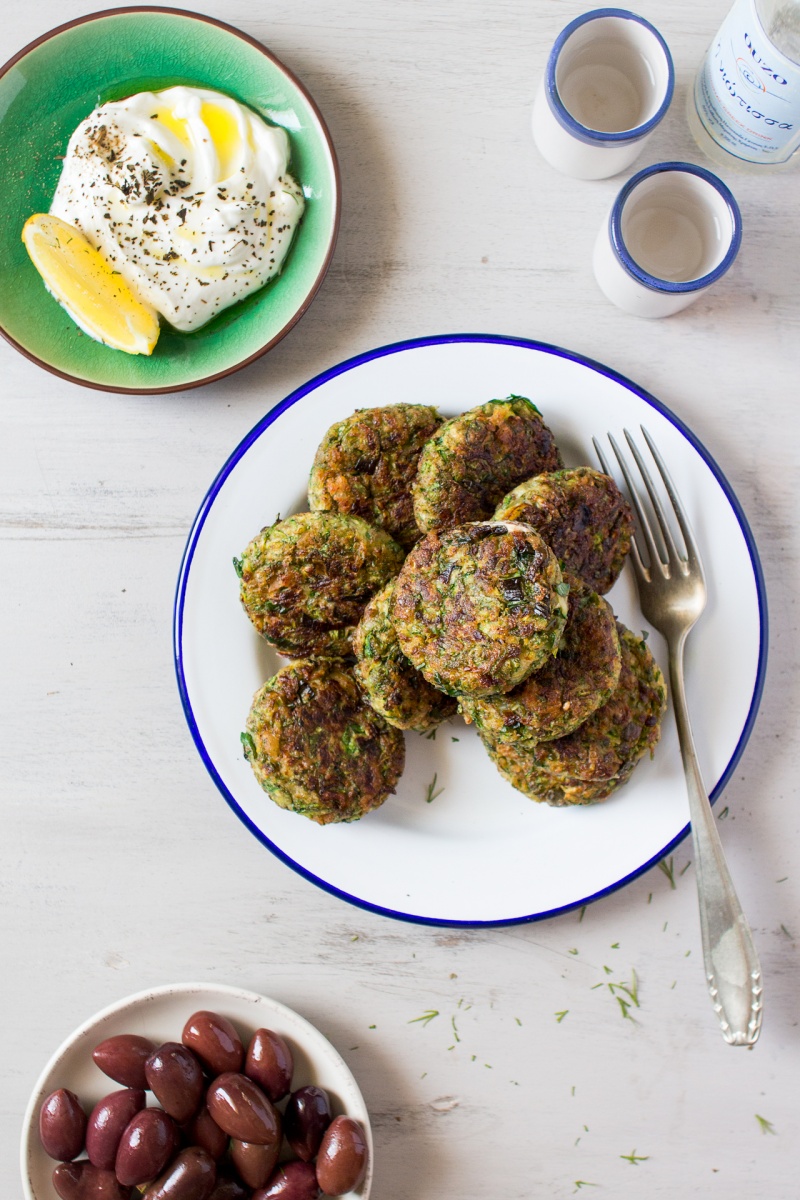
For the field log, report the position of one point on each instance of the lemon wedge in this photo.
(97, 298)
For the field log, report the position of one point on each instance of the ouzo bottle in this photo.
(744, 110)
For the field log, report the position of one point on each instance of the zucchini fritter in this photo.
(600, 755)
(577, 680)
(366, 464)
(516, 764)
(624, 729)
(317, 747)
(478, 607)
(306, 580)
(583, 517)
(392, 685)
(475, 459)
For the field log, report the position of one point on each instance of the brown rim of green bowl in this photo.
(245, 37)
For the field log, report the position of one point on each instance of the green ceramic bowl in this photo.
(51, 85)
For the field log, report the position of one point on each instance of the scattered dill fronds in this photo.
(372, 1027)
(559, 1016)
(724, 813)
(686, 868)
(635, 1158)
(455, 1030)
(452, 739)
(574, 950)
(629, 996)
(667, 865)
(580, 1183)
(426, 1017)
(782, 880)
(583, 910)
(518, 1020)
(615, 945)
(432, 791)
(786, 931)
(430, 736)
(764, 1125)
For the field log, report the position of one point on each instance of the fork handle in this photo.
(732, 968)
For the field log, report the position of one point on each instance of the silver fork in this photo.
(672, 594)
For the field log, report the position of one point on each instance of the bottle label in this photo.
(747, 93)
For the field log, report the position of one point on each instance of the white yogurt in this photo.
(186, 193)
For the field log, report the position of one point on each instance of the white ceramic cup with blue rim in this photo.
(673, 231)
(608, 82)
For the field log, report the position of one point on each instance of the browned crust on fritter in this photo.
(317, 747)
(392, 685)
(515, 762)
(622, 731)
(478, 607)
(366, 464)
(305, 581)
(561, 695)
(475, 459)
(582, 515)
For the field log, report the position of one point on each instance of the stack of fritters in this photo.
(461, 566)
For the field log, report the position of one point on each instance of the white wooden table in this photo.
(122, 867)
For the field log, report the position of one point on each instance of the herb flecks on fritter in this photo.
(394, 687)
(600, 755)
(555, 700)
(475, 459)
(305, 581)
(317, 747)
(478, 607)
(366, 464)
(583, 517)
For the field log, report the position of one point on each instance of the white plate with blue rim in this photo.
(480, 853)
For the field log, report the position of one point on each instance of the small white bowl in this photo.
(160, 1014)
(673, 231)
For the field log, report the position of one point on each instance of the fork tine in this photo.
(601, 457)
(636, 558)
(693, 554)
(653, 552)
(661, 516)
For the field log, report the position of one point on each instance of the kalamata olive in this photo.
(228, 1188)
(269, 1062)
(254, 1163)
(204, 1131)
(62, 1125)
(190, 1177)
(146, 1147)
(122, 1058)
(84, 1181)
(240, 1108)
(342, 1158)
(108, 1121)
(290, 1181)
(307, 1116)
(215, 1042)
(176, 1079)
